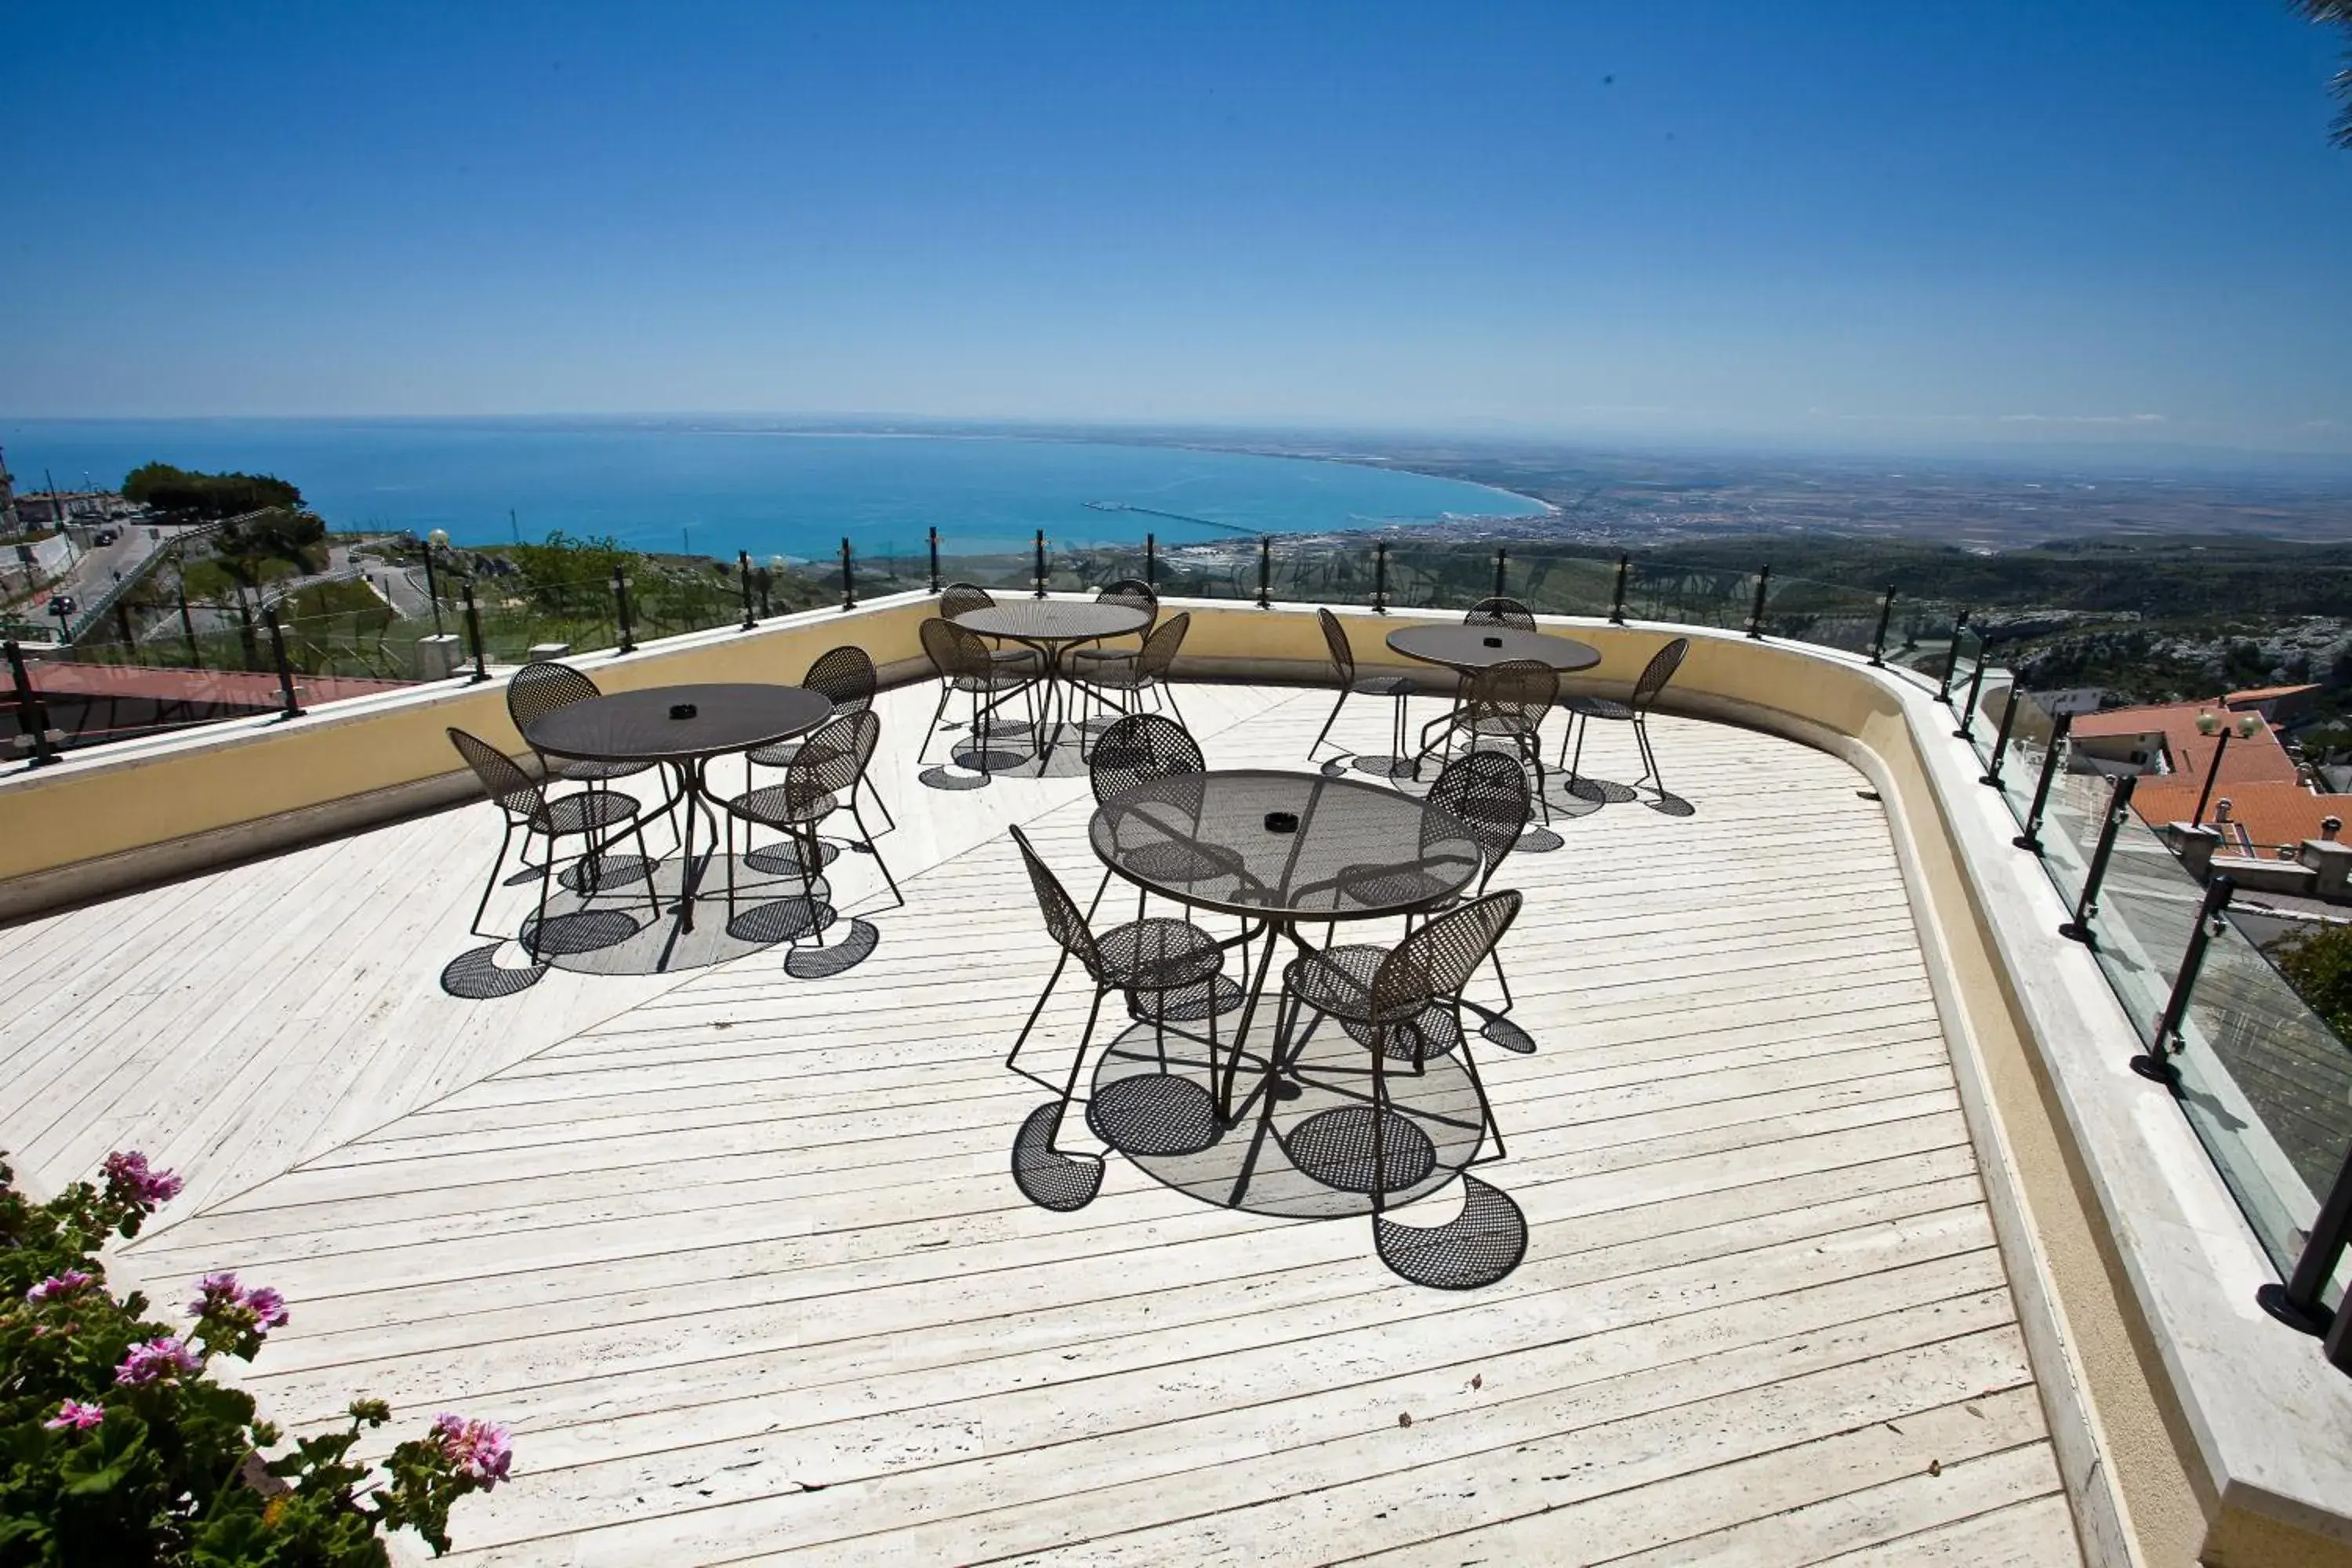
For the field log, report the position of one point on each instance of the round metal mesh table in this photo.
(1471, 649)
(1358, 850)
(636, 726)
(1044, 621)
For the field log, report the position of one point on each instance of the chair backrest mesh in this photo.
(1335, 638)
(952, 650)
(1132, 591)
(539, 689)
(844, 677)
(1160, 648)
(1658, 672)
(1063, 921)
(958, 597)
(1501, 612)
(1436, 961)
(1138, 749)
(833, 757)
(501, 779)
(1517, 692)
(1486, 792)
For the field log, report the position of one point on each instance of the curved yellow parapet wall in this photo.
(2092, 1184)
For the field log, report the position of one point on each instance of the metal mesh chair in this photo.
(1504, 705)
(965, 664)
(1634, 711)
(1141, 958)
(1501, 612)
(1137, 750)
(524, 802)
(1124, 685)
(958, 598)
(1127, 591)
(539, 688)
(824, 776)
(843, 677)
(1388, 993)
(1343, 672)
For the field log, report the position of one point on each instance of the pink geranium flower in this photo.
(128, 1178)
(221, 1301)
(476, 1450)
(73, 1413)
(61, 1284)
(164, 1360)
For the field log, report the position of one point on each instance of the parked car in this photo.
(103, 537)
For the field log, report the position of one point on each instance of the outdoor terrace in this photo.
(728, 1232)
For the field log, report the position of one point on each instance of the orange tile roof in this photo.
(2266, 814)
(2254, 758)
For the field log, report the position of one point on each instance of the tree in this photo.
(2338, 13)
(2319, 963)
(207, 498)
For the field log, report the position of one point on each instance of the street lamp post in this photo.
(434, 542)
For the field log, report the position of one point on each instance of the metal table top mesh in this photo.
(636, 726)
(1360, 850)
(1055, 620)
(1476, 648)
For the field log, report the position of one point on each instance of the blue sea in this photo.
(715, 488)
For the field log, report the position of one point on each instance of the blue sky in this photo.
(1921, 224)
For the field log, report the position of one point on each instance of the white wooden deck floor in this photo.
(740, 1256)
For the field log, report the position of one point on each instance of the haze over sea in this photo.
(715, 488)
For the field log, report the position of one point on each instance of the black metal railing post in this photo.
(2157, 1061)
(2001, 739)
(1502, 563)
(1952, 659)
(293, 708)
(1380, 577)
(1968, 730)
(628, 642)
(433, 587)
(32, 714)
(2086, 907)
(2059, 727)
(188, 631)
(1617, 600)
(934, 560)
(1151, 560)
(1041, 563)
(744, 587)
(2298, 1303)
(474, 631)
(1265, 571)
(849, 578)
(1879, 643)
(1756, 610)
(2205, 795)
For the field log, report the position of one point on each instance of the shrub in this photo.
(115, 1447)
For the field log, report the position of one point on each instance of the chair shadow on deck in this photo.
(601, 926)
(1306, 1154)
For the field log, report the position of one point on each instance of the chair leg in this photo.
(546, 886)
(1470, 1063)
(1327, 724)
(1533, 755)
(1077, 1063)
(870, 849)
(809, 850)
(506, 838)
(1380, 1119)
(1055, 979)
(947, 688)
(652, 897)
(1649, 757)
(1583, 722)
(1168, 690)
(731, 864)
(1504, 981)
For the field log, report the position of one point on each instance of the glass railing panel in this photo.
(1557, 584)
(1689, 596)
(2148, 908)
(2268, 1086)
(1801, 609)
(1339, 572)
(1435, 578)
